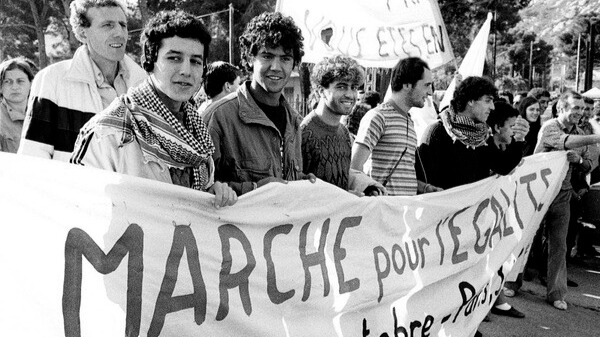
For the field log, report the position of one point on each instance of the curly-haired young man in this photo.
(454, 150)
(326, 143)
(154, 131)
(255, 131)
(65, 95)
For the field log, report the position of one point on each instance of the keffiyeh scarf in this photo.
(141, 115)
(464, 129)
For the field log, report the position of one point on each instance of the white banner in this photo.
(377, 33)
(92, 253)
(472, 64)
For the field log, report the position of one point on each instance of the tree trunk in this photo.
(39, 30)
(73, 42)
(143, 4)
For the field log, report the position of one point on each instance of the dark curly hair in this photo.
(166, 24)
(407, 71)
(336, 68)
(271, 30)
(471, 89)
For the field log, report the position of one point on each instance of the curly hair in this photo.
(407, 71)
(166, 24)
(271, 30)
(78, 17)
(217, 74)
(336, 68)
(471, 89)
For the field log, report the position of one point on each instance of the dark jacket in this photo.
(248, 145)
(447, 164)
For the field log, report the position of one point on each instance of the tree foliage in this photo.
(217, 21)
(464, 18)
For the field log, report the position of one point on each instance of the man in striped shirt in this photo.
(387, 135)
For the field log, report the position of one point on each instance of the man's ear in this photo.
(81, 34)
(496, 128)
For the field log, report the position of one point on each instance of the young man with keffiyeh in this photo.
(459, 149)
(455, 150)
(154, 131)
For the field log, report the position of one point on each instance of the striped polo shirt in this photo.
(386, 131)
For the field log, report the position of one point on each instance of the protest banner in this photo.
(92, 253)
(376, 33)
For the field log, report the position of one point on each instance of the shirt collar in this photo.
(99, 77)
(12, 113)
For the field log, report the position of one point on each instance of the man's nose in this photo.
(276, 63)
(185, 67)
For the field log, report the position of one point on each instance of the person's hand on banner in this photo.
(224, 195)
(423, 187)
(520, 129)
(574, 157)
(267, 180)
(375, 190)
(310, 177)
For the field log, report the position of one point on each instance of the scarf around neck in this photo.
(142, 116)
(464, 129)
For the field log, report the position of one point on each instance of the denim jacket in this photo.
(248, 145)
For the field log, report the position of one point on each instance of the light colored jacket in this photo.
(63, 97)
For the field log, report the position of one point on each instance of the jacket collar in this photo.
(82, 68)
(250, 112)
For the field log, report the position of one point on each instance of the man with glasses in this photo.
(559, 134)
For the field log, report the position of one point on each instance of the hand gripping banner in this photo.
(92, 253)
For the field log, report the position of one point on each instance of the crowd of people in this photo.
(100, 109)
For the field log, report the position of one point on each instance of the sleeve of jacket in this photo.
(224, 172)
(503, 162)
(430, 156)
(39, 127)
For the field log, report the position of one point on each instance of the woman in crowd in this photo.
(15, 76)
(529, 108)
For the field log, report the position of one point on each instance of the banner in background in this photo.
(376, 33)
(91, 253)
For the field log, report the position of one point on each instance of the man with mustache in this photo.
(65, 95)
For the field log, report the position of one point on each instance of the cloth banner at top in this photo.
(377, 33)
(86, 252)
